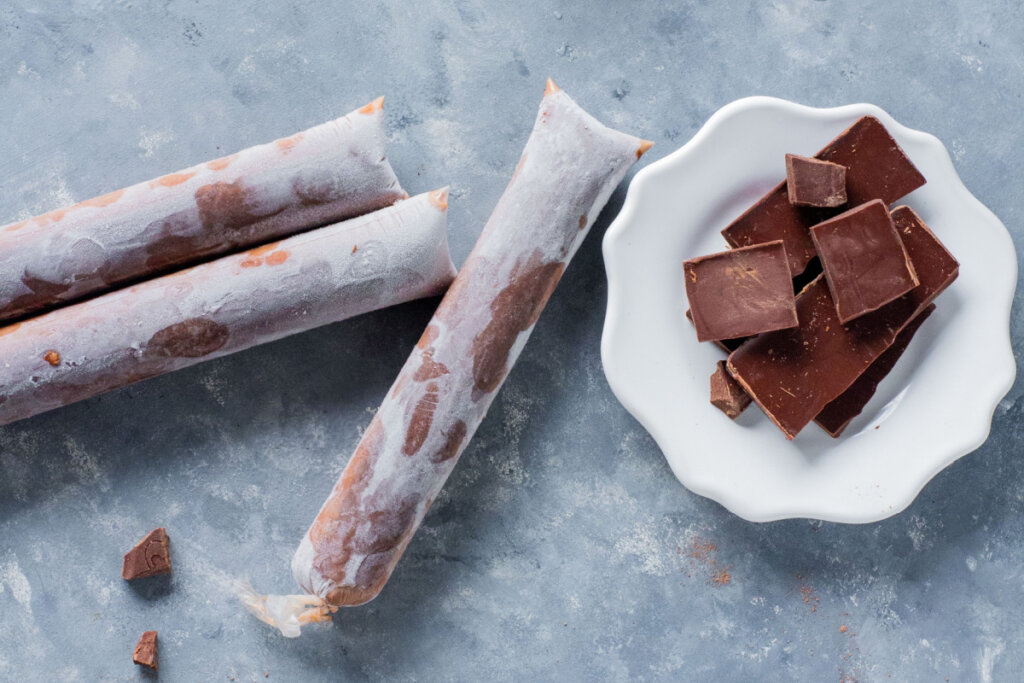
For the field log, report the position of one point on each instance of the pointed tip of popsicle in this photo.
(376, 105)
(644, 146)
(439, 198)
(550, 88)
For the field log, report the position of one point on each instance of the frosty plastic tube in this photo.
(393, 255)
(325, 174)
(568, 170)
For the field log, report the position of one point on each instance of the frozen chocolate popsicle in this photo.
(794, 374)
(393, 255)
(569, 168)
(812, 182)
(322, 175)
(835, 416)
(740, 292)
(864, 260)
(876, 168)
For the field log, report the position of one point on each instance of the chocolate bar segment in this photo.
(838, 414)
(876, 168)
(864, 260)
(794, 374)
(150, 556)
(726, 394)
(727, 345)
(740, 292)
(811, 182)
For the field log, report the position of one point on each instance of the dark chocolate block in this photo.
(876, 168)
(727, 345)
(726, 394)
(151, 556)
(864, 260)
(812, 182)
(145, 652)
(794, 374)
(740, 292)
(835, 416)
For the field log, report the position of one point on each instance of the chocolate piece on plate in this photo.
(145, 652)
(726, 394)
(864, 260)
(811, 182)
(727, 345)
(740, 292)
(794, 374)
(835, 416)
(876, 168)
(150, 557)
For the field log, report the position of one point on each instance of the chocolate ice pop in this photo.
(393, 255)
(569, 168)
(322, 175)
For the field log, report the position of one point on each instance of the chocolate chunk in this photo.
(864, 260)
(726, 394)
(835, 417)
(794, 374)
(150, 557)
(811, 182)
(145, 650)
(876, 168)
(727, 345)
(740, 292)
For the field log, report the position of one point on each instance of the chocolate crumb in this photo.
(145, 652)
(150, 557)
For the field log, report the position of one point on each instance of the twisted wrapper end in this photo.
(287, 613)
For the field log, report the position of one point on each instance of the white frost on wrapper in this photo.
(570, 166)
(286, 613)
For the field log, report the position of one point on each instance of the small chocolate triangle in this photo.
(145, 650)
(150, 557)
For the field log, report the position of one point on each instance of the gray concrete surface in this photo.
(562, 548)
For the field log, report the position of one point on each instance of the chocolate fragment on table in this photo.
(740, 292)
(145, 652)
(835, 416)
(864, 260)
(150, 557)
(394, 255)
(876, 168)
(569, 168)
(322, 175)
(726, 394)
(812, 182)
(794, 374)
(727, 345)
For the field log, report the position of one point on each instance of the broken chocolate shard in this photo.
(150, 557)
(794, 374)
(864, 260)
(876, 168)
(837, 415)
(740, 292)
(726, 394)
(812, 182)
(145, 652)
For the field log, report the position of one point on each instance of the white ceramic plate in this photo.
(934, 407)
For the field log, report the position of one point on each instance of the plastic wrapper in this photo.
(568, 170)
(387, 257)
(322, 175)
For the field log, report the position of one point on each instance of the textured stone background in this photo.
(562, 548)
